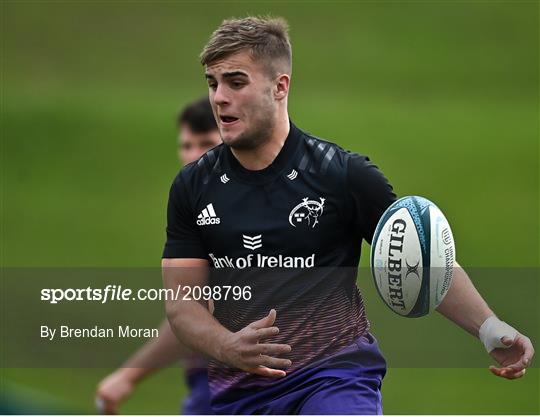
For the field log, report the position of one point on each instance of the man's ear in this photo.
(282, 86)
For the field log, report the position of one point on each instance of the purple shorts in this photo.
(198, 399)
(348, 382)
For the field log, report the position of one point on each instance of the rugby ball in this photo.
(412, 256)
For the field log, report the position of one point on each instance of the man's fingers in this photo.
(528, 350)
(495, 371)
(525, 344)
(271, 348)
(264, 371)
(517, 375)
(104, 406)
(507, 372)
(513, 374)
(265, 321)
(272, 362)
(259, 334)
(267, 362)
(100, 405)
(507, 341)
(498, 371)
(517, 366)
(110, 409)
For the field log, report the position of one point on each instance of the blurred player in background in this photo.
(197, 133)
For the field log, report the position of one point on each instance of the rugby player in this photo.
(277, 198)
(197, 133)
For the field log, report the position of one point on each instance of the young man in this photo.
(274, 197)
(197, 133)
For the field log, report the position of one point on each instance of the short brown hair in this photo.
(198, 116)
(266, 38)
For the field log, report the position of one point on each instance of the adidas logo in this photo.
(224, 179)
(292, 175)
(252, 242)
(208, 216)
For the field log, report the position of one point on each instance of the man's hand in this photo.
(113, 391)
(245, 350)
(466, 307)
(514, 358)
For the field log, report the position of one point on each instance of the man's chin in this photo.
(229, 138)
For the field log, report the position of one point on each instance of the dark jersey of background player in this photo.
(305, 215)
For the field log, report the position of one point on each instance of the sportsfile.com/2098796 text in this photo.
(114, 292)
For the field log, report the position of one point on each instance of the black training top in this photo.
(302, 219)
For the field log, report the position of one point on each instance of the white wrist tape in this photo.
(493, 330)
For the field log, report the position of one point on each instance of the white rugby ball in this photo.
(412, 256)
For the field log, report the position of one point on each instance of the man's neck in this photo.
(262, 156)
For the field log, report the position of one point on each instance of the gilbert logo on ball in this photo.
(412, 256)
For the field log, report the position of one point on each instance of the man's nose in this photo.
(220, 96)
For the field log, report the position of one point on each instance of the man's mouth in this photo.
(228, 120)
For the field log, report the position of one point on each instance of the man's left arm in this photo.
(371, 194)
(465, 306)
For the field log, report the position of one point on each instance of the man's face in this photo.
(241, 95)
(191, 145)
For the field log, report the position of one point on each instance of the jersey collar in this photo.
(273, 170)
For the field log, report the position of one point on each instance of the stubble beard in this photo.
(260, 131)
(256, 136)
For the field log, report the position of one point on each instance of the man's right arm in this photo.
(193, 324)
(190, 320)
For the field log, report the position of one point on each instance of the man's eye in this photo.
(213, 86)
(237, 84)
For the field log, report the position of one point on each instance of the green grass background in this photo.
(442, 95)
